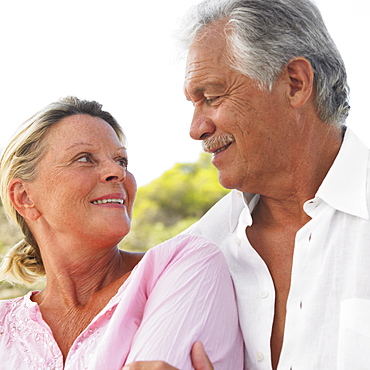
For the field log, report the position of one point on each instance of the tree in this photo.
(174, 201)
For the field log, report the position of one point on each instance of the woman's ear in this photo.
(19, 196)
(300, 76)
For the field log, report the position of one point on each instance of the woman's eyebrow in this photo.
(79, 144)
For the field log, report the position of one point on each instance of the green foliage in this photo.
(174, 201)
(10, 234)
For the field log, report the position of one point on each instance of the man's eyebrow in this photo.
(207, 86)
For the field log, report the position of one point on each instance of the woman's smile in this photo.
(110, 200)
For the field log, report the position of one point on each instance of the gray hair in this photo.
(23, 263)
(264, 35)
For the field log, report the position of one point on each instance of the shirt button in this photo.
(259, 356)
(238, 241)
(264, 294)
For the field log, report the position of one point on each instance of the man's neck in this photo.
(308, 165)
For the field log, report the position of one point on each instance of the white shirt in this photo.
(328, 308)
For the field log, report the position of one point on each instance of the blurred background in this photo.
(124, 55)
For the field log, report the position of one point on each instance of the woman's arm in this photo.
(192, 300)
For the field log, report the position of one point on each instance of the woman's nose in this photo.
(114, 172)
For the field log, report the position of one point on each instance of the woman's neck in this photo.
(75, 293)
(75, 277)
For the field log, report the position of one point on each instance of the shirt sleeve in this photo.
(190, 299)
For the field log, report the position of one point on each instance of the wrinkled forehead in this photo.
(210, 44)
(80, 128)
(207, 60)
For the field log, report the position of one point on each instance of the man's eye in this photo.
(123, 162)
(211, 99)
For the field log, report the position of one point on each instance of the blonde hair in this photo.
(23, 263)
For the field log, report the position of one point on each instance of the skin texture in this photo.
(264, 127)
(280, 149)
(84, 161)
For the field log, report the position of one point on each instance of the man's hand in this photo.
(199, 359)
(149, 365)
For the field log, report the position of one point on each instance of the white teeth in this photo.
(103, 201)
(221, 149)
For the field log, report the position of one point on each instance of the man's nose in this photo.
(201, 126)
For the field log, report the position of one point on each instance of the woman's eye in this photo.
(86, 158)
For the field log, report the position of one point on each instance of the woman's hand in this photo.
(199, 359)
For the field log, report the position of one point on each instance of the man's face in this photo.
(244, 127)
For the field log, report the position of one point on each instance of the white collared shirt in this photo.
(328, 308)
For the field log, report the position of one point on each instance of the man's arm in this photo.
(199, 359)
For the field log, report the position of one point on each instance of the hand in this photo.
(149, 365)
(199, 359)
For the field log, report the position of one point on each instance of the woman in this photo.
(64, 180)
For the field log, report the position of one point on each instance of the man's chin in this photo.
(225, 181)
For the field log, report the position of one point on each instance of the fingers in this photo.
(148, 365)
(199, 357)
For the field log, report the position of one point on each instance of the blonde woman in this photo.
(64, 180)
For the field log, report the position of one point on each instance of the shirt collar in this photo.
(236, 207)
(344, 187)
(242, 205)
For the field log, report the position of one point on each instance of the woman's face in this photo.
(82, 187)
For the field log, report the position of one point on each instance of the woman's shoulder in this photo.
(184, 250)
(182, 255)
(185, 245)
(9, 306)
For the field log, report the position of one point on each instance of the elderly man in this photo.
(270, 101)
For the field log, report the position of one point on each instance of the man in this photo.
(270, 101)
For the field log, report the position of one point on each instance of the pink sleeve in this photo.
(191, 299)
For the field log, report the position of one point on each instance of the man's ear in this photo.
(300, 76)
(19, 196)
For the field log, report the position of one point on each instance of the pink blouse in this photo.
(179, 293)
